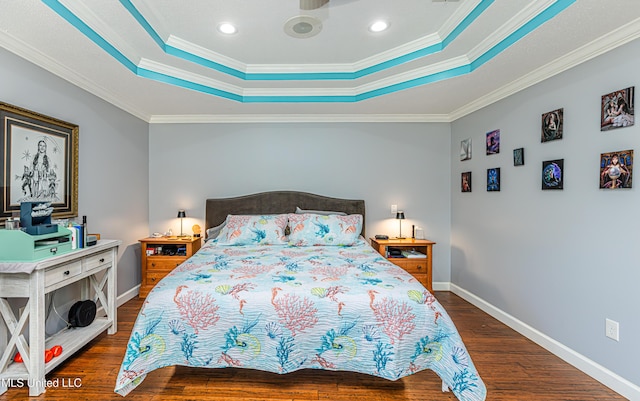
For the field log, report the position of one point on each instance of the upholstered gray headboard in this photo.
(278, 202)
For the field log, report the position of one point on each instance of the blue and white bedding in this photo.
(280, 308)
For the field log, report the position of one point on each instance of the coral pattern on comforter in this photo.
(281, 308)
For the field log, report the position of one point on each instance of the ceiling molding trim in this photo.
(144, 23)
(509, 27)
(180, 78)
(458, 23)
(532, 24)
(298, 118)
(102, 29)
(41, 60)
(96, 38)
(381, 62)
(612, 40)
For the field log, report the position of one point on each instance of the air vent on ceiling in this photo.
(303, 26)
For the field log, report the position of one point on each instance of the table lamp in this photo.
(400, 217)
(181, 216)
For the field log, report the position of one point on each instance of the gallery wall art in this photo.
(617, 109)
(552, 124)
(616, 169)
(465, 184)
(493, 179)
(518, 157)
(553, 174)
(493, 142)
(465, 149)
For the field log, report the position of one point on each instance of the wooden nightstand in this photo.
(420, 268)
(161, 255)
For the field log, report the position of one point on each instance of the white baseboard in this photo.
(129, 295)
(617, 383)
(441, 286)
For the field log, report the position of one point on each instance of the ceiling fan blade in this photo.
(312, 4)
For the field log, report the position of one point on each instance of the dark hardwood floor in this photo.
(512, 367)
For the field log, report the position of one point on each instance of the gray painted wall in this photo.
(113, 156)
(405, 164)
(560, 261)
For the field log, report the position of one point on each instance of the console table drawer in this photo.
(98, 260)
(62, 273)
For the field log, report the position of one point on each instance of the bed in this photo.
(290, 283)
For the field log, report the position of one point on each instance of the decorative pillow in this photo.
(314, 229)
(323, 212)
(254, 230)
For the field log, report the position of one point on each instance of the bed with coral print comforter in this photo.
(281, 308)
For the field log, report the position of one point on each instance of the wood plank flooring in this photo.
(512, 367)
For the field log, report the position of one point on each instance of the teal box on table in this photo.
(18, 246)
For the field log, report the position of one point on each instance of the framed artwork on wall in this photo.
(493, 142)
(518, 157)
(465, 149)
(465, 184)
(493, 179)
(552, 125)
(553, 174)
(39, 161)
(617, 109)
(616, 169)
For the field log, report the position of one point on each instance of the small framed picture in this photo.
(493, 142)
(617, 109)
(553, 174)
(465, 149)
(616, 169)
(493, 179)
(518, 157)
(465, 184)
(552, 123)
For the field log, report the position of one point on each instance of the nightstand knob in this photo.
(66, 273)
(153, 279)
(153, 265)
(419, 267)
(101, 260)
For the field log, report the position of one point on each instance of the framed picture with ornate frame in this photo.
(39, 161)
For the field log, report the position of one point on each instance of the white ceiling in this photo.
(165, 61)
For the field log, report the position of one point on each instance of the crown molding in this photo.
(298, 118)
(597, 47)
(34, 56)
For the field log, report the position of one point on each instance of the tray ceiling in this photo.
(166, 61)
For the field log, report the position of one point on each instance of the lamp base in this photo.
(401, 237)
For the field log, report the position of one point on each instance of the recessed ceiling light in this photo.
(378, 26)
(227, 28)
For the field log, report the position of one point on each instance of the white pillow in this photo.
(321, 212)
(213, 232)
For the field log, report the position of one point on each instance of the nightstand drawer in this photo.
(417, 266)
(165, 264)
(62, 273)
(154, 278)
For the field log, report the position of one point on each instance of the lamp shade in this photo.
(181, 214)
(400, 215)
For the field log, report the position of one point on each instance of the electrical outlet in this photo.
(394, 209)
(612, 329)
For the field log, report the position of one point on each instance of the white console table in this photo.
(95, 268)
